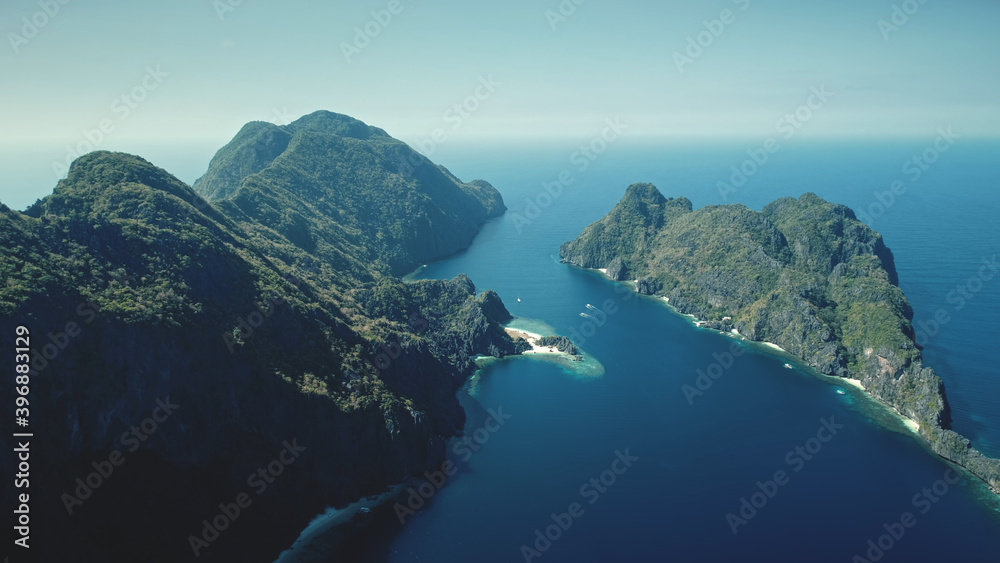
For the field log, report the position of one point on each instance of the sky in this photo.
(182, 77)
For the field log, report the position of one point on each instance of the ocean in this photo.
(770, 463)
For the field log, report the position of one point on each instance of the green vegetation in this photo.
(802, 273)
(309, 225)
(561, 343)
(346, 193)
(272, 313)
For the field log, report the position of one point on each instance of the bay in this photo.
(699, 456)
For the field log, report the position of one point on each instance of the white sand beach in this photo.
(911, 424)
(853, 383)
(908, 422)
(532, 339)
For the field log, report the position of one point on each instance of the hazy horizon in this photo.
(456, 74)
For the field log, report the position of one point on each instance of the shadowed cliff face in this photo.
(192, 347)
(804, 274)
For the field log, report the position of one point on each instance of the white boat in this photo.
(788, 366)
(841, 392)
(518, 297)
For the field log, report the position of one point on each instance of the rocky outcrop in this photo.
(617, 270)
(803, 273)
(648, 286)
(561, 343)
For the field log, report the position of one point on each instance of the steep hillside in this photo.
(804, 274)
(138, 294)
(347, 192)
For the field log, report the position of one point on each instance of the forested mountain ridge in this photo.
(347, 192)
(268, 317)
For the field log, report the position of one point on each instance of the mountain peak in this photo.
(260, 143)
(646, 200)
(644, 193)
(329, 182)
(331, 123)
(102, 169)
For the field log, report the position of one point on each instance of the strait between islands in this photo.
(266, 301)
(804, 275)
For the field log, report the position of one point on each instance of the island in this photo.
(802, 274)
(264, 306)
(538, 344)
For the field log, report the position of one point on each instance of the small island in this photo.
(803, 274)
(545, 344)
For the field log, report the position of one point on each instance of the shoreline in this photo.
(336, 522)
(532, 339)
(580, 364)
(911, 425)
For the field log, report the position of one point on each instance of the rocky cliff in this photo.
(803, 273)
(187, 353)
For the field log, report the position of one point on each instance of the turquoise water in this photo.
(691, 462)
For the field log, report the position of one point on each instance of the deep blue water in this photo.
(697, 461)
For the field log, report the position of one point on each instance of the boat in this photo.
(841, 391)
(788, 366)
(518, 297)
